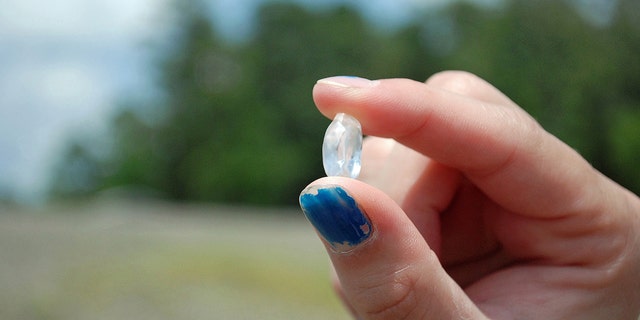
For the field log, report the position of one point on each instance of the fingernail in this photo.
(336, 216)
(347, 82)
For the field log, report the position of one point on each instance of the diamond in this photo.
(342, 147)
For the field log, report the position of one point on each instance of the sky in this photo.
(65, 65)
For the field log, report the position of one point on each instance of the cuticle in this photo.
(356, 248)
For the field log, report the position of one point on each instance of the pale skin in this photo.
(477, 211)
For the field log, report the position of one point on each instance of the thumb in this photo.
(385, 267)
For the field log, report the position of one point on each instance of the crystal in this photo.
(342, 147)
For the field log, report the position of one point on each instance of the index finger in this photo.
(499, 147)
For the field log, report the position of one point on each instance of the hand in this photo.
(469, 209)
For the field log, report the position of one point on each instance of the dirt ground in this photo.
(150, 260)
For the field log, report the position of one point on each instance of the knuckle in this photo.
(394, 298)
(455, 81)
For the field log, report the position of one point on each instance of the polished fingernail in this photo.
(336, 216)
(347, 82)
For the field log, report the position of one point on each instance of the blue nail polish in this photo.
(336, 216)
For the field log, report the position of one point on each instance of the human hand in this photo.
(471, 210)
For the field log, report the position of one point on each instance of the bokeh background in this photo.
(152, 152)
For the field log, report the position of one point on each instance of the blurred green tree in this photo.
(79, 174)
(236, 123)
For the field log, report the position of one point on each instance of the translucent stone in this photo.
(342, 147)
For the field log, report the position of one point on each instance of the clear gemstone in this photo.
(342, 147)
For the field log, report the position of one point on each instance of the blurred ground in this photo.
(140, 260)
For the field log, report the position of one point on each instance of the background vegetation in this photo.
(235, 122)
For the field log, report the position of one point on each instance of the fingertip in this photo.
(370, 102)
(337, 217)
(328, 92)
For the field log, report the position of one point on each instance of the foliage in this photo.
(238, 124)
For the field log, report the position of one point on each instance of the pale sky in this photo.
(63, 64)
